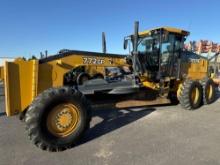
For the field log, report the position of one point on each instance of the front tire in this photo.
(190, 96)
(57, 118)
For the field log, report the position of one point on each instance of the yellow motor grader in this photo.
(53, 99)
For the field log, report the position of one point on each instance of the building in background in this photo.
(206, 49)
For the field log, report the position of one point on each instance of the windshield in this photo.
(147, 45)
(148, 48)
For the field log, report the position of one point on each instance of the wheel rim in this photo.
(195, 95)
(179, 91)
(63, 120)
(209, 91)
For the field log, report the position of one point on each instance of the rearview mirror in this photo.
(125, 43)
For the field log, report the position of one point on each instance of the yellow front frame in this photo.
(24, 80)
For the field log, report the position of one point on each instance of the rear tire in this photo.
(209, 91)
(63, 129)
(190, 95)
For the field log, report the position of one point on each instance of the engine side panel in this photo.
(195, 69)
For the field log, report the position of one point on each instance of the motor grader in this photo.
(57, 110)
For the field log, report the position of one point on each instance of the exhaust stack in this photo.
(103, 43)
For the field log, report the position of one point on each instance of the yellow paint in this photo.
(216, 81)
(169, 29)
(34, 79)
(1, 73)
(209, 91)
(179, 90)
(195, 71)
(20, 85)
(213, 75)
(63, 120)
(151, 85)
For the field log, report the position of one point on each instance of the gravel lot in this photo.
(156, 135)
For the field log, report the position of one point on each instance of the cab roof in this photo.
(166, 28)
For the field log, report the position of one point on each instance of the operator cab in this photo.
(158, 52)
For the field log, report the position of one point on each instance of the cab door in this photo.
(170, 51)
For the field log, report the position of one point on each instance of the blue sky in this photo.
(30, 26)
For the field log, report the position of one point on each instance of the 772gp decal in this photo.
(93, 60)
